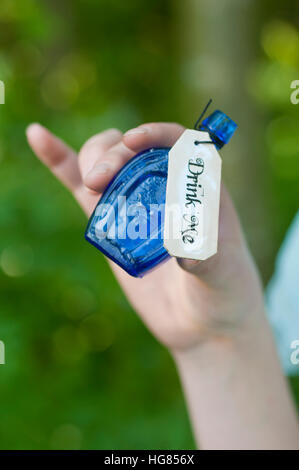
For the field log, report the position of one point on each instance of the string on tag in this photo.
(199, 127)
(198, 122)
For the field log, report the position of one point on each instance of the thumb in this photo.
(207, 270)
(216, 269)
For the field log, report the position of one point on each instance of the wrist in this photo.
(232, 387)
(224, 344)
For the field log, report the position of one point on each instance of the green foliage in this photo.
(81, 370)
(270, 85)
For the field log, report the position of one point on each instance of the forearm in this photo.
(236, 392)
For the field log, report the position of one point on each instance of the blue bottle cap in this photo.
(220, 127)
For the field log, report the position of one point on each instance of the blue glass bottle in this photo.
(128, 222)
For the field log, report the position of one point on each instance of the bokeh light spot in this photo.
(282, 141)
(59, 89)
(70, 344)
(66, 437)
(77, 302)
(16, 260)
(280, 41)
(100, 332)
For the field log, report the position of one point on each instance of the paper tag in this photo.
(192, 197)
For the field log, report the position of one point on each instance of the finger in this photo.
(157, 134)
(107, 165)
(55, 154)
(63, 163)
(203, 268)
(229, 240)
(96, 147)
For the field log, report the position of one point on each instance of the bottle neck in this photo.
(217, 142)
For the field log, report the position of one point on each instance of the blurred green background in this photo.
(82, 371)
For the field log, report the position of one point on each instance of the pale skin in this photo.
(210, 314)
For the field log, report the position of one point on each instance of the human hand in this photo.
(183, 302)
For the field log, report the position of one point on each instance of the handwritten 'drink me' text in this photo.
(193, 200)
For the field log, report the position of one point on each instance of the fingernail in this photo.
(138, 130)
(34, 126)
(101, 168)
